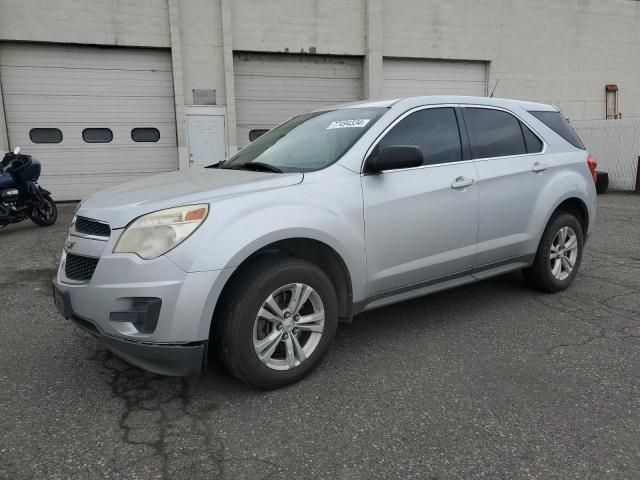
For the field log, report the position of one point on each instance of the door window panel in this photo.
(97, 135)
(145, 134)
(45, 135)
(493, 133)
(434, 130)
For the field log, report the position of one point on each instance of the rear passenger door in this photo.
(511, 175)
(421, 223)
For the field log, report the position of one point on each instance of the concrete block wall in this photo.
(559, 52)
(202, 48)
(299, 26)
(141, 23)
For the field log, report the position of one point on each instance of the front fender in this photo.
(238, 227)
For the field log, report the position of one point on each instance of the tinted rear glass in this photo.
(556, 122)
(534, 144)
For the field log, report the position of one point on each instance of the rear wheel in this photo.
(45, 213)
(276, 322)
(559, 254)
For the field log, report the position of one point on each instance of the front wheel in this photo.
(558, 256)
(276, 322)
(45, 213)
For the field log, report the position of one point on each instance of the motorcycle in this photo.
(21, 197)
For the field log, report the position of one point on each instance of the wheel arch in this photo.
(575, 206)
(315, 251)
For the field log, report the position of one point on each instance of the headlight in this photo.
(154, 234)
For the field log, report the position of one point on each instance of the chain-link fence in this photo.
(616, 146)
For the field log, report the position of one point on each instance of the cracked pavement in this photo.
(490, 380)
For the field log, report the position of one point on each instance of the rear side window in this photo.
(556, 122)
(493, 133)
(434, 130)
(532, 142)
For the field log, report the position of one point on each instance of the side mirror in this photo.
(16, 150)
(394, 157)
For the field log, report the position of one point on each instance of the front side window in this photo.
(493, 133)
(434, 130)
(308, 142)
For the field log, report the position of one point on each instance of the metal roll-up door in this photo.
(415, 77)
(271, 88)
(113, 108)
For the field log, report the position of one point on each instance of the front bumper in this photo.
(181, 359)
(149, 312)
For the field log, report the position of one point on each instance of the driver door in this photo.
(421, 223)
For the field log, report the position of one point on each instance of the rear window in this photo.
(556, 122)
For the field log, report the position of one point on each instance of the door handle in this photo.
(539, 167)
(461, 182)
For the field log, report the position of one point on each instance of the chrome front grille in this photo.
(78, 267)
(88, 226)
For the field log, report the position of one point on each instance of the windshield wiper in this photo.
(256, 166)
(216, 165)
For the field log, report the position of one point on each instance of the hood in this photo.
(121, 204)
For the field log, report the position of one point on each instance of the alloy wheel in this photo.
(564, 253)
(288, 326)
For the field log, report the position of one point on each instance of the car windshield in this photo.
(308, 142)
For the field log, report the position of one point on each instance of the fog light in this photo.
(143, 314)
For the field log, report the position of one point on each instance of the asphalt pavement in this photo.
(491, 380)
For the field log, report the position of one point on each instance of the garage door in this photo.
(95, 117)
(409, 77)
(270, 88)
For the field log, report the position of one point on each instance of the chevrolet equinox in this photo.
(334, 212)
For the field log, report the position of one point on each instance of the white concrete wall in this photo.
(202, 49)
(559, 52)
(299, 26)
(140, 23)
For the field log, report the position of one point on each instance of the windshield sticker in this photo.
(348, 124)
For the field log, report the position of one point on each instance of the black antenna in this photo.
(494, 88)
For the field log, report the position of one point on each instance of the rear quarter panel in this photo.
(569, 177)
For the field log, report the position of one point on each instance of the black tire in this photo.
(234, 323)
(48, 215)
(540, 275)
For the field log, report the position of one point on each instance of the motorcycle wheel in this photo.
(46, 213)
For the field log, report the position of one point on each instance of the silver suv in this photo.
(331, 213)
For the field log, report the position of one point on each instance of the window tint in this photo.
(253, 134)
(556, 122)
(145, 134)
(45, 135)
(434, 130)
(97, 135)
(532, 142)
(493, 133)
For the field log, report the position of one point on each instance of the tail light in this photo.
(592, 163)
